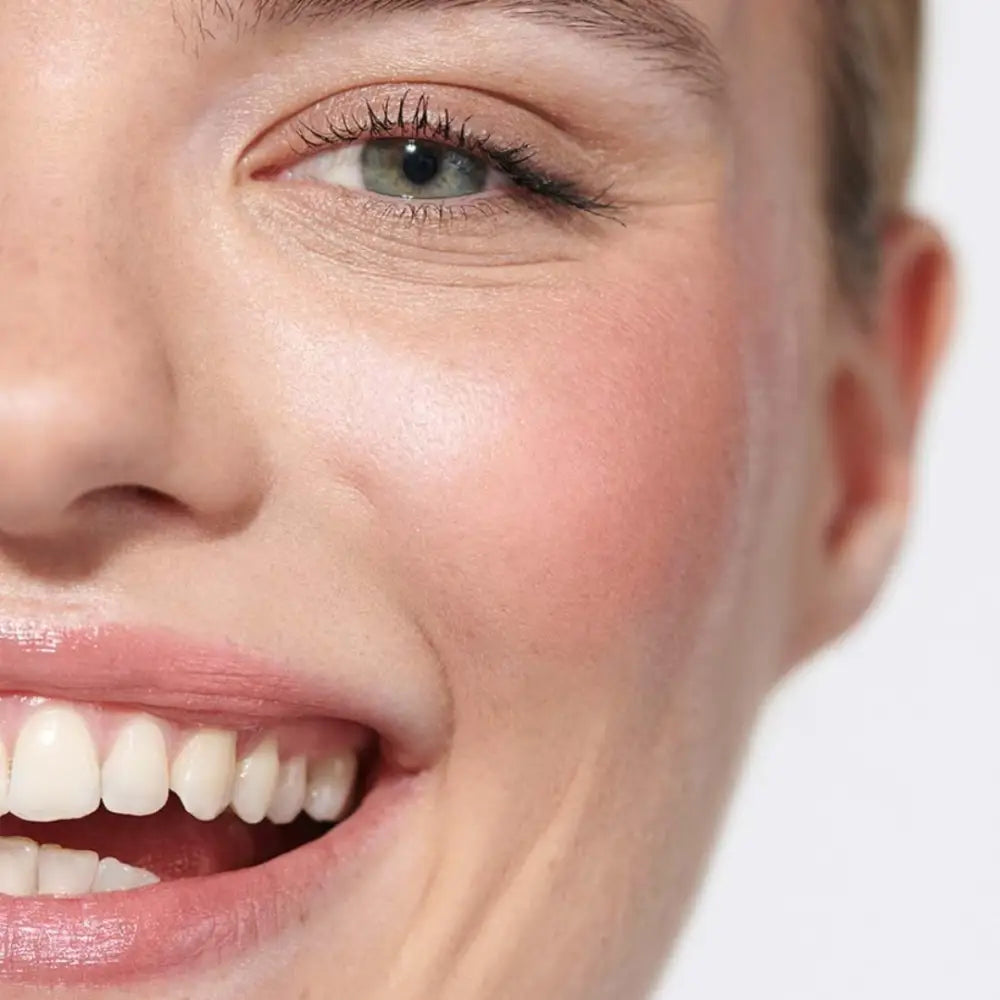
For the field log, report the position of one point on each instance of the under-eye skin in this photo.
(422, 163)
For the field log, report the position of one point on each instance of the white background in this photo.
(861, 859)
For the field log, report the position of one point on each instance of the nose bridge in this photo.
(65, 290)
(86, 387)
(98, 388)
(63, 198)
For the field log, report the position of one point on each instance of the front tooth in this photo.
(203, 772)
(55, 774)
(290, 791)
(256, 778)
(65, 873)
(18, 866)
(4, 777)
(135, 779)
(330, 784)
(113, 876)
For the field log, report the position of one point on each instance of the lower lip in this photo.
(112, 939)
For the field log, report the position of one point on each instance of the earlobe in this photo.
(862, 563)
(876, 382)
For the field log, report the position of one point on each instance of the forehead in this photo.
(707, 39)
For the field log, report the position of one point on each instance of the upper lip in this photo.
(159, 670)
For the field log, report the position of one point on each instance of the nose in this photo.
(100, 396)
(115, 409)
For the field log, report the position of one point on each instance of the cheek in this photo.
(543, 476)
(606, 484)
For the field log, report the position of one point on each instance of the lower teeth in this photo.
(29, 870)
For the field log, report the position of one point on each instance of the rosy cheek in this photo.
(610, 484)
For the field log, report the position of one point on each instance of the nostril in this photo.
(70, 544)
(119, 500)
(145, 496)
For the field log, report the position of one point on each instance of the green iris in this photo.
(409, 168)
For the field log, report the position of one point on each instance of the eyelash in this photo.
(393, 119)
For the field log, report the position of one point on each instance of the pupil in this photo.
(420, 163)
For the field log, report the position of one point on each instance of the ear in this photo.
(874, 380)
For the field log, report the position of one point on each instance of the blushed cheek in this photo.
(612, 484)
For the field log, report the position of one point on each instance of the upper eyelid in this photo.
(395, 121)
(388, 123)
(422, 104)
(375, 124)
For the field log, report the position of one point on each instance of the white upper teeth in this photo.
(203, 773)
(135, 779)
(56, 773)
(330, 784)
(256, 781)
(290, 791)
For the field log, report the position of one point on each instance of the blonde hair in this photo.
(871, 54)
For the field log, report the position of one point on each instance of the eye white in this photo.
(340, 167)
(344, 167)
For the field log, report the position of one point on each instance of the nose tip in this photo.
(57, 446)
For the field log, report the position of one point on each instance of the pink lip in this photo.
(106, 939)
(164, 673)
(112, 939)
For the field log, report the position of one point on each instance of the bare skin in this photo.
(596, 479)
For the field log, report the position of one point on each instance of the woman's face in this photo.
(440, 375)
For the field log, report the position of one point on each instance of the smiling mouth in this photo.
(164, 804)
(96, 799)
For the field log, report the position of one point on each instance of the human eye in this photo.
(411, 169)
(415, 158)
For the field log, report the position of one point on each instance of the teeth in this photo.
(65, 873)
(113, 876)
(55, 774)
(203, 772)
(135, 779)
(18, 866)
(28, 870)
(4, 777)
(330, 784)
(290, 792)
(256, 778)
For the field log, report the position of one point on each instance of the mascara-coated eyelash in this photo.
(395, 119)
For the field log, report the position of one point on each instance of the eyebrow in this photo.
(658, 29)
